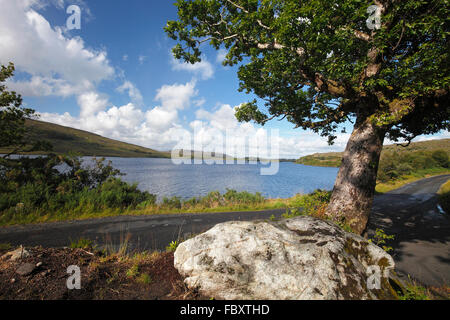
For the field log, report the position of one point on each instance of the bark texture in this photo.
(354, 189)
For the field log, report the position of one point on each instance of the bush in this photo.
(313, 204)
(441, 157)
(57, 185)
(444, 197)
(394, 165)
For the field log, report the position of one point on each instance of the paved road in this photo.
(145, 232)
(422, 243)
(421, 246)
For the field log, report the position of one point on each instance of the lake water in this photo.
(165, 179)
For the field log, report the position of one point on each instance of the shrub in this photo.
(63, 184)
(441, 157)
(172, 247)
(380, 239)
(444, 196)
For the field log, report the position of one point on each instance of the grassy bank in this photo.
(92, 206)
(398, 165)
(383, 187)
(444, 196)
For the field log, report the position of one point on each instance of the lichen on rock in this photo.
(303, 258)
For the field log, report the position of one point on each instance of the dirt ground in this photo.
(113, 277)
(141, 276)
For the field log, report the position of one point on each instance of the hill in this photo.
(333, 159)
(65, 139)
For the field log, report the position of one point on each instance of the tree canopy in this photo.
(12, 119)
(318, 64)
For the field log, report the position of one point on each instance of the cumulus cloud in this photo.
(158, 127)
(176, 96)
(133, 92)
(91, 103)
(57, 65)
(204, 69)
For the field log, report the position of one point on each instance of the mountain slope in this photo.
(65, 139)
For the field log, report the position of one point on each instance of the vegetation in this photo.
(380, 239)
(81, 243)
(115, 197)
(65, 140)
(398, 164)
(444, 196)
(39, 189)
(172, 247)
(334, 159)
(320, 63)
(314, 205)
(33, 188)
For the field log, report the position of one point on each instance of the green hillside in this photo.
(333, 159)
(65, 139)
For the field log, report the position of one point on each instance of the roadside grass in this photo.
(231, 201)
(81, 243)
(5, 246)
(405, 179)
(444, 196)
(214, 202)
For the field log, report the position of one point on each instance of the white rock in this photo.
(301, 258)
(19, 253)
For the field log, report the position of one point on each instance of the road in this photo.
(422, 232)
(421, 246)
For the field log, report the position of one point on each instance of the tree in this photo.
(13, 133)
(318, 64)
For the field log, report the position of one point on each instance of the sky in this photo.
(115, 76)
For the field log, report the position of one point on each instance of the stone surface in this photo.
(301, 258)
(19, 253)
(26, 269)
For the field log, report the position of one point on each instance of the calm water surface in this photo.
(165, 179)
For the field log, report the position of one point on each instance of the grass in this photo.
(444, 197)
(5, 246)
(213, 202)
(383, 187)
(398, 165)
(81, 243)
(333, 159)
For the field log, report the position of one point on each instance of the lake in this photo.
(165, 179)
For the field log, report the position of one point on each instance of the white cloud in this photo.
(91, 103)
(125, 57)
(176, 96)
(221, 55)
(199, 102)
(57, 65)
(204, 69)
(133, 92)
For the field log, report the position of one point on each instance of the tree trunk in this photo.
(354, 189)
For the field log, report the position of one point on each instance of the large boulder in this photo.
(301, 258)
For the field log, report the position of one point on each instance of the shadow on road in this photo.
(422, 234)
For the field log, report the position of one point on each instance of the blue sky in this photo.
(116, 77)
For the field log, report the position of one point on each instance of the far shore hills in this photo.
(333, 159)
(84, 143)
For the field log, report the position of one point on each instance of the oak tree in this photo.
(321, 63)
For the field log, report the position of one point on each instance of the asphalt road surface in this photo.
(421, 246)
(422, 231)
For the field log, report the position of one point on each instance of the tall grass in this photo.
(444, 196)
